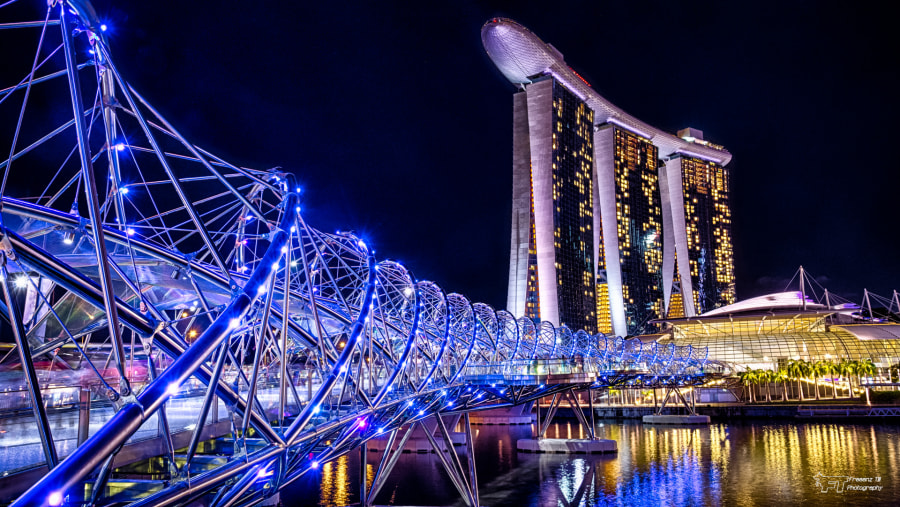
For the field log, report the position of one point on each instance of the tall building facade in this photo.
(615, 223)
(698, 192)
(630, 229)
(552, 268)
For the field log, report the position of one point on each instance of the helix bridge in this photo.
(140, 271)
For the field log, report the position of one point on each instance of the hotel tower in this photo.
(615, 223)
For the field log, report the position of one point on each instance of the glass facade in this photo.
(771, 342)
(639, 228)
(676, 305)
(572, 157)
(604, 321)
(707, 215)
(532, 295)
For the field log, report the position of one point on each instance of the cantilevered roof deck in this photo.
(523, 57)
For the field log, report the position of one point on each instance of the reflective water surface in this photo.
(752, 463)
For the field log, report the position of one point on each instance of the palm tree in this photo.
(769, 375)
(844, 369)
(798, 369)
(865, 367)
(748, 377)
(819, 369)
(832, 369)
(782, 376)
(609, 394)
(852, 369)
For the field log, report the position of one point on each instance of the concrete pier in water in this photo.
(566, 446)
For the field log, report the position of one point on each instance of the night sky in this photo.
(400, 128)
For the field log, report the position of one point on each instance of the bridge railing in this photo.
(533, 367)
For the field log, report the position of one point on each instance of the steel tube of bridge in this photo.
(204, 409)
(363, 499)
(78, 284)
(171, 130)
(297, 426)
(195, 218)
(410, 340)
(448, 467)
(283, 369)
(90, 189)
(376, 479)
(184, 493)
(234, 494)
(458, 466)
(100, 482)
(34, 388)
(392, 462)
(470, 451)
(163, 429)
(125, 422)
(107, 87)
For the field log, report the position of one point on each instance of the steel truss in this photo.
(144, 269)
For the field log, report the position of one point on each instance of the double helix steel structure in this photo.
(144, 270)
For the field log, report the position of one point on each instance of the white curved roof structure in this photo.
(768, 303)
(523, 57)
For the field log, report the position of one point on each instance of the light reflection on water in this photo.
(725, 463)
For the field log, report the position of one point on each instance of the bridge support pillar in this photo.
(435, 431)
(84, 415)
(567, 445)
(363, 464)
(518, 414)
(591, 445)
(690, 418)
(569, 396)
(418, 442)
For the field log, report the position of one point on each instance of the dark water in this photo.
(723, 464)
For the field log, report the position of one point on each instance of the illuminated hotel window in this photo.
(708, 213)
(573, 203)
(639, 230)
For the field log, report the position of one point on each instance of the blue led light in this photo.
(55, 498)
